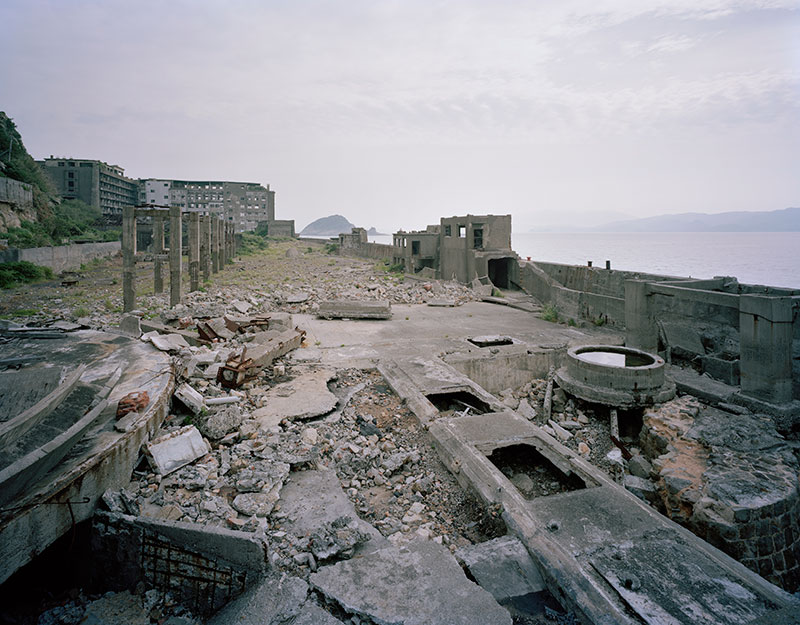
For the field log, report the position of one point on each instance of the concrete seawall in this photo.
(62, 257)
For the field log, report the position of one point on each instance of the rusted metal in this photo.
(235, 370)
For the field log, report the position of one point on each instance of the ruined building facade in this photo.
(460, 248)
(96, 183)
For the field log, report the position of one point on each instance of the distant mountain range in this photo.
(332, 226)
(783, 220)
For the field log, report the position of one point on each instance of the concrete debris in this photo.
(304, 397)
(402, 581)
(167, 342)
(526, 410)
(241, 306)
(339, 538)
(176, 449)
(190, 398)
(221, 421)
(273, 601)
(347, 309)
(120, 608)
(502, 566)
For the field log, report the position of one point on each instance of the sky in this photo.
(395, 113)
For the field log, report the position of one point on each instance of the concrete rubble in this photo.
(330, 471)
(418, 584)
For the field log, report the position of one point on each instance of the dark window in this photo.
(415, 248)
(72, 163)
(86, 164)
(61, 164)
(477, 238)
(70, 174)
(447, 231)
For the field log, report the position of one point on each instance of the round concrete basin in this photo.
(617, 376)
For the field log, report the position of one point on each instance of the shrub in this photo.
(22, 272)
(550, 313)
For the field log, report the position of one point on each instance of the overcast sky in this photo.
(394, 113)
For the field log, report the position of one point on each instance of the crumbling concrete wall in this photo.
(203, 567)
(62, 257)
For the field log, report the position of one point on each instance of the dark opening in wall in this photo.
(532, 473)
(458, 401)
(630, 424)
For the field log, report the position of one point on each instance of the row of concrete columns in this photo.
(211, 247)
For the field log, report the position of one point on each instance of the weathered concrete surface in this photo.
(274, 601)
(304, 397)
(622, 385)
(420, 584)
(432, 331)
(503, 567)
(564, 532)
(345, 309)
(312, 499)
(105, 459)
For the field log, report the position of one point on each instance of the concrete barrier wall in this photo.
(15, 192)
(377, 251)
(62, 257)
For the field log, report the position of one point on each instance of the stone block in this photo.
(189, 398)
(172, 451)
(638, 466)
(346, 309)
(641, 487)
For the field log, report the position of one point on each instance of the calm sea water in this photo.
(770, 258)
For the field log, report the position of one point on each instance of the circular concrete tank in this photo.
(622, 377)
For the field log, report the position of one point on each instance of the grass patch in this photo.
(550, 313)
(22, 272)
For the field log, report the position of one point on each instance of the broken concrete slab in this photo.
(314, 499)
(190, 398)
(241, 306)
(418, 584)
(347, 309)
(169, 342)
(273, 601)
(148, 325)
(502, 566)
(312, 614)
(304, 397)
(443, 302)
(297, 298)
(172, 451)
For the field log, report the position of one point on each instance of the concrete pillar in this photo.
(214, 229)
(205, 246)
(128, 258)
(765, 339)
(158, 250)
(641, 331)
(194, 251)
(175, 255)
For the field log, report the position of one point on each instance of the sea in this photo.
(767, 258)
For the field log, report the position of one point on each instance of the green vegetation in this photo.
(331, 248)
(550, 313)
(571, 322)
(388, 267)
(22, 272)
(600, 321)
(56, 222)
(497, 292)
(252, 243)
(72, 221)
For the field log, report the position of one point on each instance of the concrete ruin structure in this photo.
(459, 248)
(212, 245)
(630, 465)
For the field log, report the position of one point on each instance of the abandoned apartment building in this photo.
(484, 440)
